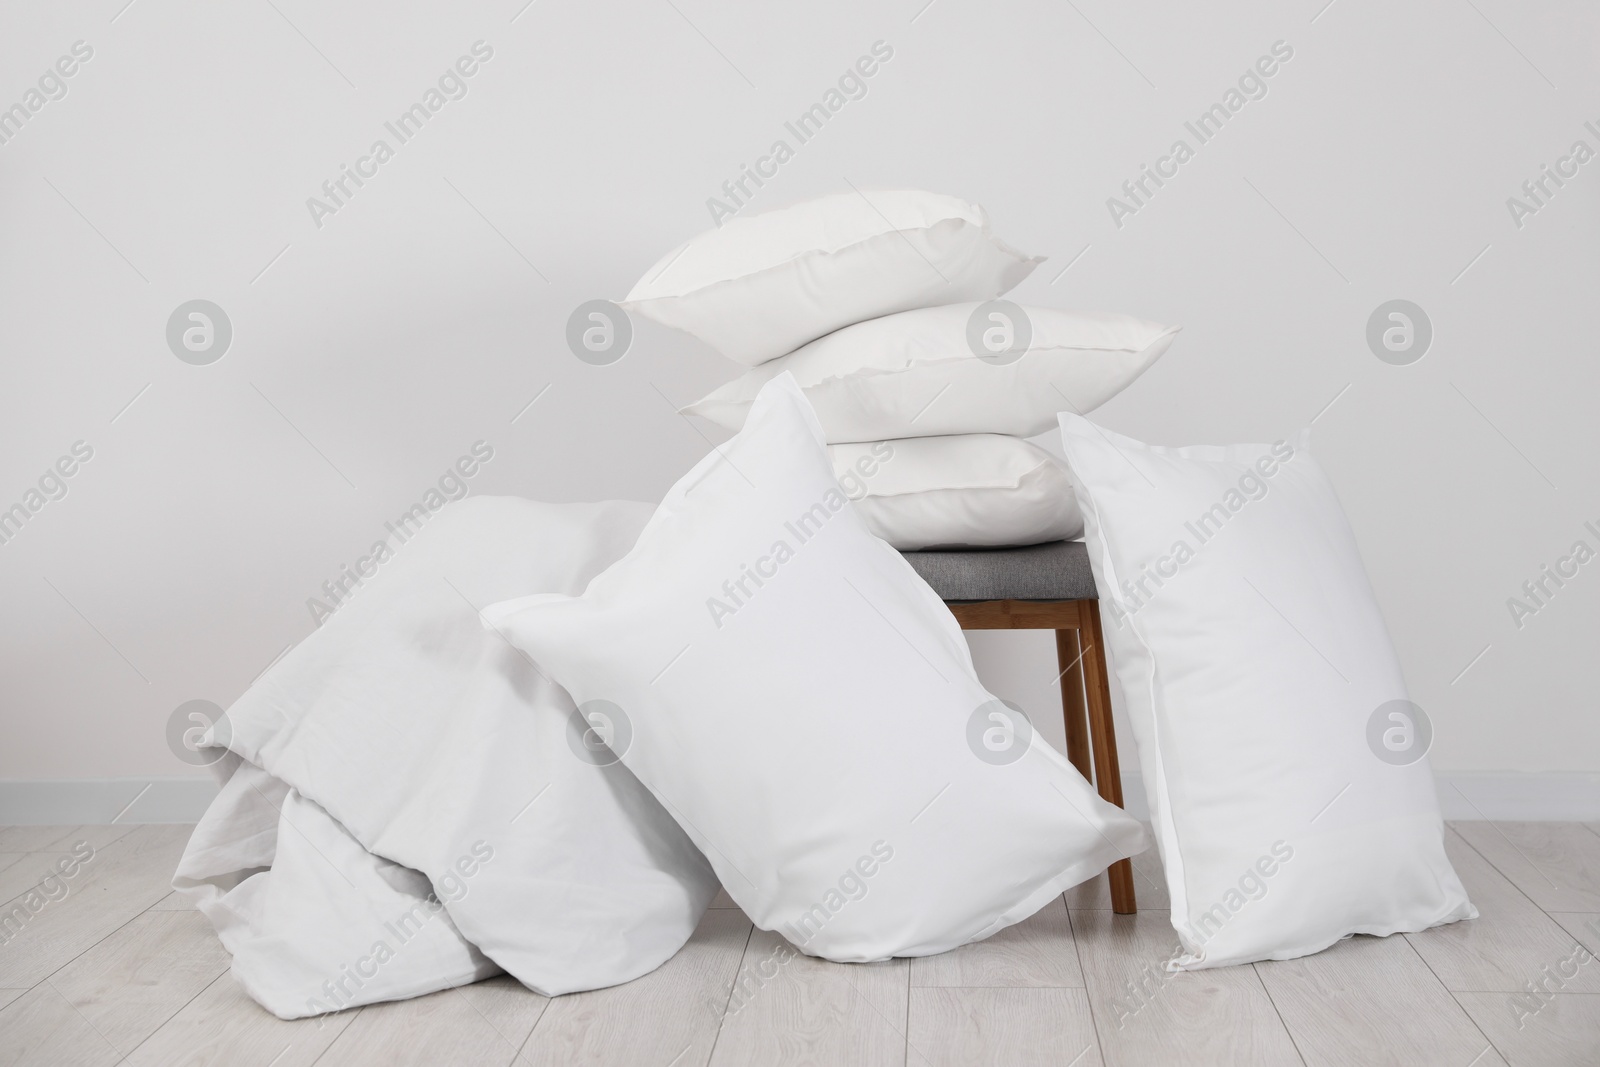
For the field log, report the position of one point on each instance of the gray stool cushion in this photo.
(1055, 571)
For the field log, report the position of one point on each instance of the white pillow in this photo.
(301, 904)
(764, 285)
(1256, 665)
(805, 706)
(426, 739)
(915, 374)
(970, 490)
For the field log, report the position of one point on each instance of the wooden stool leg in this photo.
(1103, 742)
(1069, 659)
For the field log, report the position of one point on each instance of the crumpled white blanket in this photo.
(403, 807)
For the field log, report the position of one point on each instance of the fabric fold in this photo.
(404, 754)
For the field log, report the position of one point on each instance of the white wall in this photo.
(430, 309)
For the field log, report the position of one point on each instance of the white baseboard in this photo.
(1465, 795)
(101, 801)
(1509, 796)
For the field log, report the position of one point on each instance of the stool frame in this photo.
(1085, 696)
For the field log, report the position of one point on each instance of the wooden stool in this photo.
(1046, 587)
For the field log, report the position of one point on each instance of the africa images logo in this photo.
(451, 85)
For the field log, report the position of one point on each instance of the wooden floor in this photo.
(120, 971)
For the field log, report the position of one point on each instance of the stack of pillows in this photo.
(882, 307)
(1286, 769)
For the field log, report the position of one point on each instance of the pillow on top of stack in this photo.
(883, 307)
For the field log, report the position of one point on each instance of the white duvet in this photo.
(403, 808)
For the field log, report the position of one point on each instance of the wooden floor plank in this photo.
(1564, 1033)
(510, 1007)
(129, 984)
(811, 1011)
(41, 1028)
(670, 1012)
(94, 836)
(32, 838)
(173, 902)
(8, 995)
(1035, 953)
(444, 1029)
(1372, 1000)
(31, 869)
(1003, 1027)
(1146, 1015)
(224, 1027)
(1509, 943)
(1556, 864)
(119, 882)
(1582, 925)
